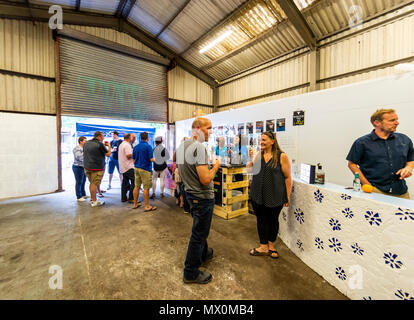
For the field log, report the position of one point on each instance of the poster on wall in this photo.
(259, 126)
(232, 130)
(281, 124)
(298, 118)
(240, 127)
(270, 125)
(249, 127)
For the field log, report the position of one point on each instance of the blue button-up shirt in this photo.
(380, 159)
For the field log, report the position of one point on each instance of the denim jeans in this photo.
(202, 212)
(186, 206)
(80, 178)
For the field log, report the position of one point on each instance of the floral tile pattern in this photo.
(391, 260)
(403, 295)
(348, 213)
(318, 196)
(405, 214)
(340, 273)
(373, 218)
(375, 236)
(318, 243)
(299, 215)
(357, 250)
(335, 244)
(336, 226)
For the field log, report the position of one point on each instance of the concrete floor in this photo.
(115, 252)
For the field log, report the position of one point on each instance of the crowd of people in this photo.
(383, 159)
(137, 166)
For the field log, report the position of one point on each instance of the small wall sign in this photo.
(298, 118)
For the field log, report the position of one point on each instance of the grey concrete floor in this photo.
(115, 252)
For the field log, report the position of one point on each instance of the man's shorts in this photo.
(111, 166)
(94, 177)
(144, 177)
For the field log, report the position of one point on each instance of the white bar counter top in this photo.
(361, 243)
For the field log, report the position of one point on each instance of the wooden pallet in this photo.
(226, 209)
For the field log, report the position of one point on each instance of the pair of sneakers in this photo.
(83, 199)
(204, 276)
(97, 203)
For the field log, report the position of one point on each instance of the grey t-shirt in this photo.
(189, 155)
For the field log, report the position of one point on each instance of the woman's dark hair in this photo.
(275, 147)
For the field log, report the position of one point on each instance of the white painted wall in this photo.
(334, 118)
(28, 155)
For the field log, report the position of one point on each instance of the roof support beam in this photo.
(120, 8)
(299, 22)
(223, 22)
(129, 9)
(173, 18)
(149, 41)
(78, 4)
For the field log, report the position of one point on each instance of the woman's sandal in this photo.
(271, 252)
(258, 253)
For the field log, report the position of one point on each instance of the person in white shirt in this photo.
(161, 156)
(126, 167)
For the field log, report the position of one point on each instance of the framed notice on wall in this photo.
(298, 118)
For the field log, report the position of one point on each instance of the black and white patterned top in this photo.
(268, 186)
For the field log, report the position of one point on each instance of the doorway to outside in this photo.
(74, 127)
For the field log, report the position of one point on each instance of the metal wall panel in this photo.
(285, 94)
(27, 47)
(383, 72)
(20, 94)
(103, 83)
(184, 86)
(383, 44)
(181, 111)
(285, 75)
(115, 36)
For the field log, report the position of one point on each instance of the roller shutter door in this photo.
(98, 82)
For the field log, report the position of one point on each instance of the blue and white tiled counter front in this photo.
(363, 244)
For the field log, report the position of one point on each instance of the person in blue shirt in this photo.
(143, 158)
(383, 158)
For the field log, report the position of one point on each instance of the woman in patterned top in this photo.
(270, 192)
(79, 171)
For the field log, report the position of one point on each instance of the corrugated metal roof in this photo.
(153, 15)
(260, 28)
(328, 16)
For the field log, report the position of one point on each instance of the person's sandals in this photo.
(272, 252)
(152, 197)
(150, 209)
(203, 278)
(258, 253)
(138, 205)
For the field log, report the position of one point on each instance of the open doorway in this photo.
(75, 127)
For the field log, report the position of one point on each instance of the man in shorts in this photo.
(94, 152)
(143, 157)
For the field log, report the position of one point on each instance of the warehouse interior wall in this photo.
(369, 51)
(28, 164)
(334, 119)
